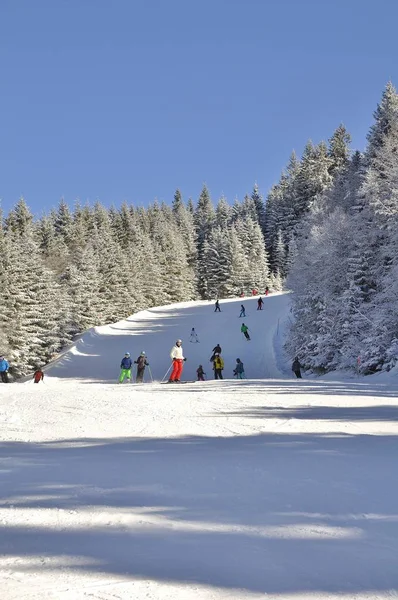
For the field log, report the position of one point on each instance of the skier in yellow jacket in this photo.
(218, 365)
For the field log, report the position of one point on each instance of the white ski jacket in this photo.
(176, 352)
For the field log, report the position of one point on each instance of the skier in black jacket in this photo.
(141, 363)
(216, 350)
(296, 368)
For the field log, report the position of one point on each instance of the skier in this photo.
(178, 359)
(216, 350)
(244, 329)
(260, 303)
(141, 363)
(200, 373)
(125, 366)
(218, 365)
(242, 311)
(296, 368)
(239, 371)
(194, 337)
(267, 290)
(38, 375)
(4, 366)
(217, 305)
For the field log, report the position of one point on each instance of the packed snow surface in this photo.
(270, 487)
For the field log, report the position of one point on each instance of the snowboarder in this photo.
(217, 305)
(218, 365)
(244, 329)
(242, 311)
(216, 350)
(239, 371)
(178, 359)
(125, 366)
(296, 368)
(200, 373)
(38, 376)
(4, 366)
(260, 303)
(194, 337)
(141, 363)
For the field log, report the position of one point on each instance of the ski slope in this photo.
(224, 490)
(98, 352)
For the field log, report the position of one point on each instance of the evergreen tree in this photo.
(258, 201)
(204, 220)
(339, 150)
(384, 115)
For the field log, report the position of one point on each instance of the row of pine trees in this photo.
(345, 271)
(74, 269)
(328, 229)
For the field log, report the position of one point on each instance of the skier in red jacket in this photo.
(38, 376)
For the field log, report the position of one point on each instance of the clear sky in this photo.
(129, 99)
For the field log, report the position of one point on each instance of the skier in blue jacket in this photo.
(239, 371)
(4, 366)
(125, 366)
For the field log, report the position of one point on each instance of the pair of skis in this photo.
(176, 382)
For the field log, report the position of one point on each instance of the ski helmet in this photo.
(142, 353)
(179, 342)
(127, 354)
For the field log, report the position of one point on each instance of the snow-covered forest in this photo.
(328, 228)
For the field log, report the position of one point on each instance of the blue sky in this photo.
(130, 99)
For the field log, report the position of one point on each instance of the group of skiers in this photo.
(254, 292)
(4, 367)
(178, 359)
(127, 364)
(260, 303)
(177, 366)
(218, 366)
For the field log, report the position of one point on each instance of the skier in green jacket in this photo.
(244, 329)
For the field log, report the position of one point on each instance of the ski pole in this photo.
(150, 372)
(167, 372)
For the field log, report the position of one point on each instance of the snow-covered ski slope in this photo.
(98, 352)
(224, 490)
